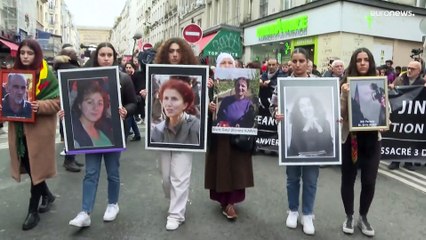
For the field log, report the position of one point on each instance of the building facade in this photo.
(348, 25)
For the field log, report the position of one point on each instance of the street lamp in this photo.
(136, 37)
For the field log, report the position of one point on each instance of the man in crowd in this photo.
(412, 77)
(285, 69)
(315, 70)
(67, 59)
(268, 82)
(329, 69)
(389, 71)
(14, 102)
(337, 69)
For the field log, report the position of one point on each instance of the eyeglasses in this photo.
(411, 69)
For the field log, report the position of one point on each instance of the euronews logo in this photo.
(392, 13)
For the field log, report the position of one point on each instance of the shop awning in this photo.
(12, 46)
(204, 41)
(221, 41)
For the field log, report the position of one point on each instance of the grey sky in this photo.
(96, 13)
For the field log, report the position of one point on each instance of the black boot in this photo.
(79, 163)
(32, 218)
(31, 221)
(71, 166)
(46, 202)
(393, 165)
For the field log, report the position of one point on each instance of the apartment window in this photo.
(52, 4)
(199, 22)
(263, 7)
(287, 4)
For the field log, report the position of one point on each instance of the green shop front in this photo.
(277, 39)
(331, 30)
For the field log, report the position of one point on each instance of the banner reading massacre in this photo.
(406, 138)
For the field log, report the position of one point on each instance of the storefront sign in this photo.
(224, 41)
(283, 28)
(304, 41)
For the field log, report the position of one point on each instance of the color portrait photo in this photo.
(176, 111)
(91, 125)
(236, 96)
(90, 113)
(17, 93)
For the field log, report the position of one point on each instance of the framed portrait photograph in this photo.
(368, 103)
(310, 131)
(176, 107)
(90, 98)
(237, 101)
(17, 92)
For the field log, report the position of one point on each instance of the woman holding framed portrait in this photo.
(311, 124)
(360, 150)
(176, 166)
(26, 150)
(105, 55)
(229, 170)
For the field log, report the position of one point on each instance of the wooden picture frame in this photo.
(23, 90)
(368, 104)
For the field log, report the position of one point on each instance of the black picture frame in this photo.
(310, 133)
(159, 74)
(78, 82)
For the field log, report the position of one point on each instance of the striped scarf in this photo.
(47, 88)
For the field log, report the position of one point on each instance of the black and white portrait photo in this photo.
(311, 129)
(368, 104)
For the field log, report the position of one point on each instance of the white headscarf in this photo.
(222, 56)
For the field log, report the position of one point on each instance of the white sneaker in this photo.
(111, 212)
(348, 225)
(292, 219)
(81, 220)
(365, 227)
(308, 224)
(172, 224)
(63, 153)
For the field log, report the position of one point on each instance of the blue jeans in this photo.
(309, 175)
(91, 178)
(131, 123)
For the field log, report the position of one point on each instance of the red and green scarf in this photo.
(47, 88)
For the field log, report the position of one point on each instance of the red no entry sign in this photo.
(192, 33)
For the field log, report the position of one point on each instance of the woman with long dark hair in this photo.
(176, 166)
(360, 150)
(26, 150)
(308, 174)
(105, 55)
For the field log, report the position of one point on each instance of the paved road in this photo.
(398, 211)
